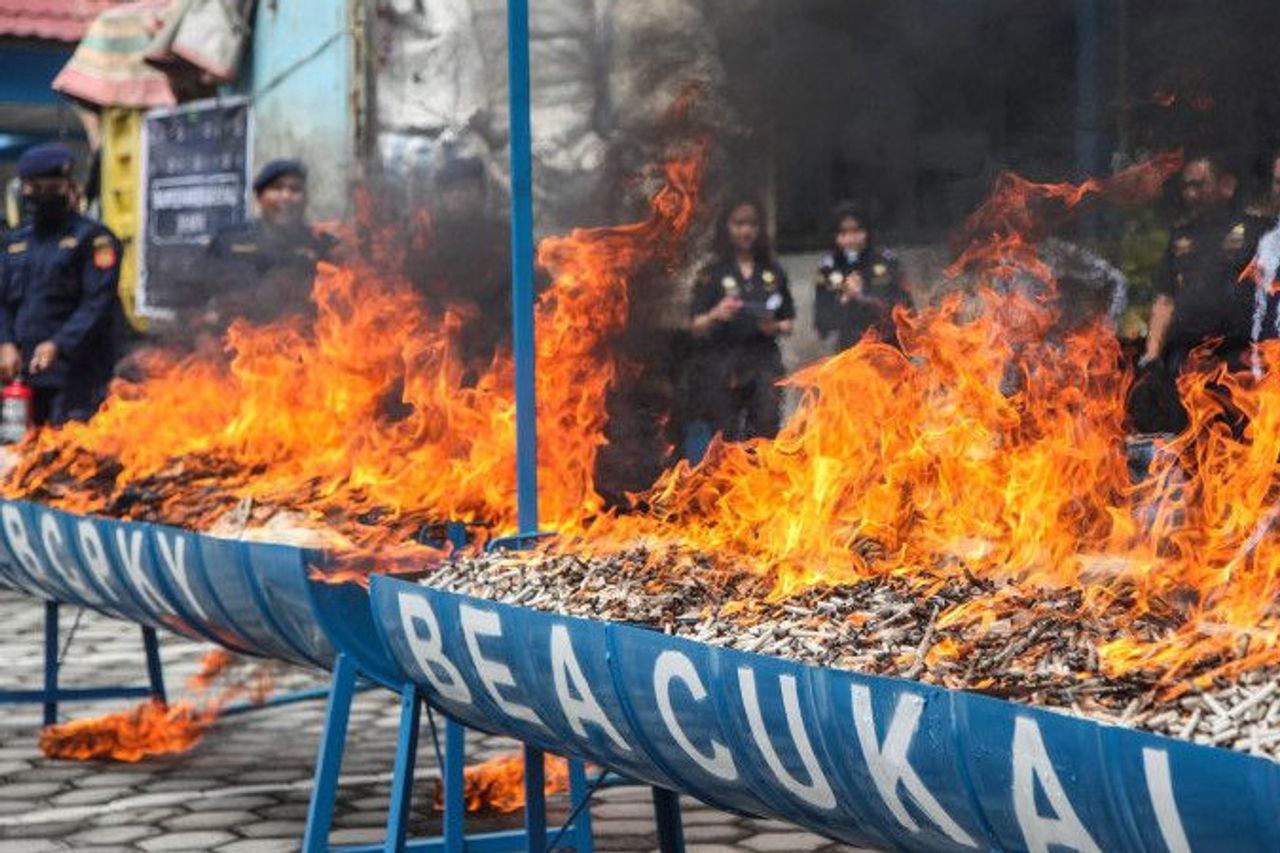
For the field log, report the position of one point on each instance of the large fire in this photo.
(992, 445)
(299, 417)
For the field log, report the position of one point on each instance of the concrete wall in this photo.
(306, 78)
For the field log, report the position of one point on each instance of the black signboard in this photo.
(195, 183)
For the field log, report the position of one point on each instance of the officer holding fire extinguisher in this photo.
(60, 313)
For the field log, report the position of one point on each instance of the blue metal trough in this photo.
(254, 598)
(878, 762)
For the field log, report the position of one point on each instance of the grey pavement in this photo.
(244, 788)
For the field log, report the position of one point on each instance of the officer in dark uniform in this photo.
(741, 305)
(1201, 297)
(263, 269)
(60, 313)
(858, 283)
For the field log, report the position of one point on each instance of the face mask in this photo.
(46, 209)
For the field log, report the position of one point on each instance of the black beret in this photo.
(460, 169)
(47, 160)
(278, 169)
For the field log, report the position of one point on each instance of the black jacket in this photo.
(881, 290)
(61, 285)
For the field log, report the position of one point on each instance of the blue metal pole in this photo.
(50, 662)
(522, 265)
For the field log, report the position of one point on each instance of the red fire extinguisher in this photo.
(16, 415)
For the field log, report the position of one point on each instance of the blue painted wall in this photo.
(302, 76)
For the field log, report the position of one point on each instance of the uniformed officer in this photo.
(741, 305)
(263, 269)
(1199, 291)
(1202, 297)
(60, 314)
(858, 283)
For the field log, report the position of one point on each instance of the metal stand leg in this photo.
(666, 811)
(155, 674)
(406, 758)
(535, 800)
(329, 761)
(583, 842)
(50, 663)
(455, 805)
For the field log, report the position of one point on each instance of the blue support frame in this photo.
(51, 693)
(346, 675)
(524, 344)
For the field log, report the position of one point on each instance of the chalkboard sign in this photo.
(195, 183)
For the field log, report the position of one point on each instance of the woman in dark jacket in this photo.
(858, 283)
(741, 306)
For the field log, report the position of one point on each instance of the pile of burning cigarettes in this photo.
(1043, 652)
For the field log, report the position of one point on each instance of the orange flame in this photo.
(298, 419)
(497, 785)
(990, 448)
(151, 728)
(154, 728)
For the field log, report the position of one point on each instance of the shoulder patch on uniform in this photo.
(889, 254)
(17, 248)
(68, 243)
(104, 257)
(828, 260)
(1235, 238)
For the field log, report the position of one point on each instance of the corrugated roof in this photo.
(54, 20)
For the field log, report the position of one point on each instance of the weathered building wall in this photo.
(603, 74)
(305, 79)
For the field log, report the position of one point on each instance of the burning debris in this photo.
(151, 728)
(497, 785)
(154, 728)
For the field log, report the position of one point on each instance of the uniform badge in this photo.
(1182, 246)
(730, 285)
(836, 279)
(104, 256)
(1235, 239)
(18, 247)
(879, 270)
(68, 243)
(770, 280)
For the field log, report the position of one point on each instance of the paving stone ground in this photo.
(245, 787)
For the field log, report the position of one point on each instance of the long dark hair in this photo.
(761, 252)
